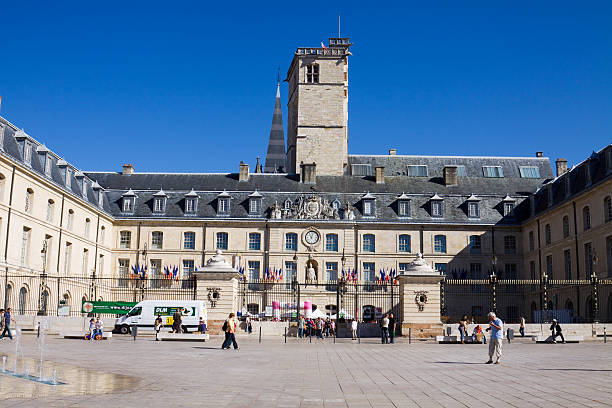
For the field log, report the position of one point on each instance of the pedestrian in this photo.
(497, 336)
(229, 327)
(463, 328)
(354, 329)
(99, 328)
(556, 331)
(319, 327)
(247, 324)
(384, 323)
(478, 335)
(327, 326)
(333, 327)
(6, 317)
(1, 320)
(202, 326)
(391, 328)
(522, 328)
(301, 323)
(177, 321)
(92, 329)
(159, 323)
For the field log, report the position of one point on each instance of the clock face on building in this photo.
(311, 237)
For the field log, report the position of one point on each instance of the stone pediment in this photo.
(306, 207)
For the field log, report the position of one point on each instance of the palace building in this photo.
(314, 212)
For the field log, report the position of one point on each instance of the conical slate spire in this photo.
(275, 158)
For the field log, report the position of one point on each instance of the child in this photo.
(202, 326)
(92, 328)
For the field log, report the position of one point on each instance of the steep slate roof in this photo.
(275, 158)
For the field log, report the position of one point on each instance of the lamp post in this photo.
(594, 282)
(42, 300)
(142, 277)
(493, 282)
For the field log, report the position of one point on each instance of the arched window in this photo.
(254, 241)
(29, 200)
(69, 220)
(547, 234)
(222, 240)
(9, 295)
(586, 218)
(50, 207)
(369, 243)
(291, 241)
(2, 185)
(566, 226)
(102, 233)
(404, 243)
(87, 224)
(608, 209)
(440, 244)
(23, 300)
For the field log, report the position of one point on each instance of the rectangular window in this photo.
(403, 267)
(404, 208)
(508, 208)
(566, 226)
(254, 206)
(157, 240)
(549, 266)
(331, 271)
(190, 205)
(85, 263)
(291, 241)
(509, 244)
(312, 73)
(475, 244)
(532, 270)
(127, 205)
(567, 260)
(492, 171)
(436, 209)
(588, 260)
(25, 243)
(222, 240)
(531, 241)
(361, 169)
(101, 266)
(461, 172)
(253, 270)
(529, 171)
(416, 170)
(254, 241)
(156, 273)
(124, 272)
(369, 272)
(367, 207)
(511, 271)
(125, 239)
(67, 258)
(473, 210)
(404, 243)
(475, 271)
(223, 205)
(189, 242)
(290, 273)
(369, 243)
(440, 244)
(188, 268)
(159, 205)
(440, 267)
(331, 242)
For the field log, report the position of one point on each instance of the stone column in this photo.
(217, 285)
(420, 300)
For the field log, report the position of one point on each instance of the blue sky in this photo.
(190, 86)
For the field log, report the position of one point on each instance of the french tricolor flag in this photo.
(323, 45)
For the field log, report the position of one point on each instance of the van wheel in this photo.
(124, 329)
(184, 329)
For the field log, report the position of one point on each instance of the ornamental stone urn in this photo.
(420, 299)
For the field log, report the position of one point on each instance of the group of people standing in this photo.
(319, 327)
(387, 325)
(96, 328)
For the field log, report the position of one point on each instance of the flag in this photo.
(323, 45)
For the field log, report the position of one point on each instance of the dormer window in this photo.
(255, 203)
(437, 209)
(473, 207)
(27, 153)
(191, 202)
(312, 73)
(68, 178)
(403, 205)
(223, 204)
(45, 157)
(128, 202)
(368, 205)
(508, 203)
(98, 189)
(159, 202)
(48, 165)
(529, 171)
(416, 170)
(492, 171)
(82, 183)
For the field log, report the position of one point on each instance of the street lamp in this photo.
(42, 301)
(494, 262)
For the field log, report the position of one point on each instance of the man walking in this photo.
(497, 336)
(385, 329)
(391, 328)
(555, 328)
(301, 323)
(230, 333)
(354, 329)
(522, 328)
(6, 317)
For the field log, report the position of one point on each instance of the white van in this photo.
(144, 313)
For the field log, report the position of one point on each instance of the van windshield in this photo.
(135, 311)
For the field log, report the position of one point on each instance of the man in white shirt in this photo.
(354, 329)
(385, 329)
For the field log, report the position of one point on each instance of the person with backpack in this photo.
(229, 327)
(556, 331)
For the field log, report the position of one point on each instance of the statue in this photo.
(349, 214)
(311, 274)
(275, 211)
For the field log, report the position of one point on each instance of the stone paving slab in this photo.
(323, 374)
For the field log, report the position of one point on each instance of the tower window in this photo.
(312, 73)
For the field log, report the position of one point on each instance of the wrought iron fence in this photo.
(287, 300)
(45, 294)
(569, 301)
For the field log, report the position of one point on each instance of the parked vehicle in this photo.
(144, 313)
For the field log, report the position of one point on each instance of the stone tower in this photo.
(275, 158)
(317, 128)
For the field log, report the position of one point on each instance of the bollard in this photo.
(410, 335)
(260, 334)
(605, 337)
(38, 330)
(310, 334)
(134, 331)
(285, 335)
(358, 334)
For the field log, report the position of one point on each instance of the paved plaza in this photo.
(146, 373)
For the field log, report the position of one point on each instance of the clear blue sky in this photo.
(190, 86)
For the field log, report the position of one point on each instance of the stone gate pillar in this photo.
(217, 285)
(420, 300)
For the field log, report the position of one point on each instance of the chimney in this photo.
(380, 175)
(450, 176)
(128, 169)
(539, 154)
(244, 172)
(309, 172)
(392, 152)
(561, 166)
